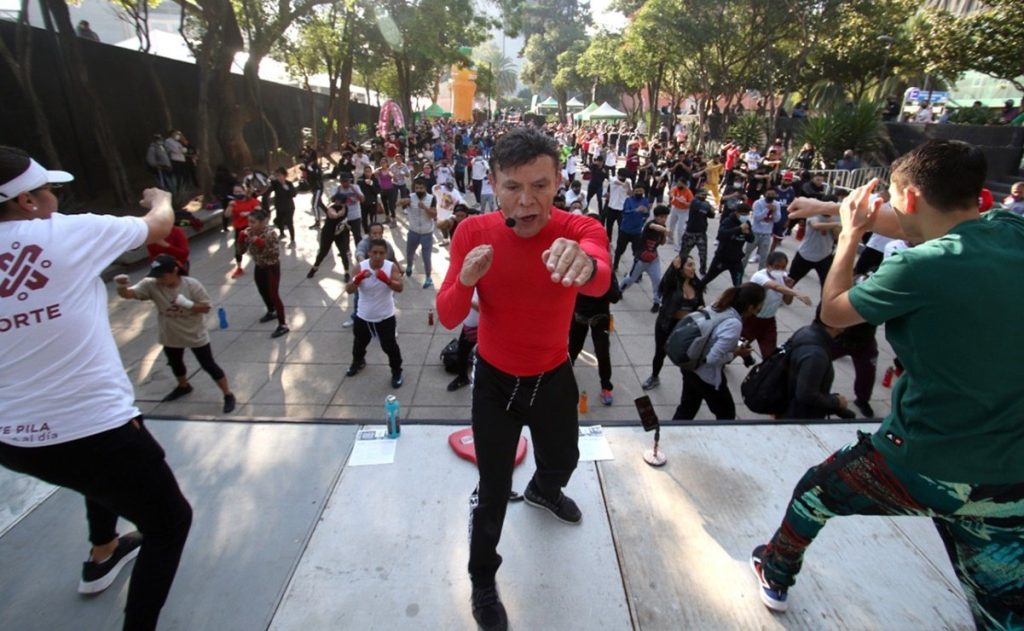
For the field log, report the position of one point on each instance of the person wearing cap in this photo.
(264, 246)
(182, 304)
(67, 413)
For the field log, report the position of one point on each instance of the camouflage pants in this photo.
(981, 525)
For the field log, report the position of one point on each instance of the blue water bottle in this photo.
(223, 317)
(391, 407)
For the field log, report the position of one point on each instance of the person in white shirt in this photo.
(377, 280)
(486, 197)
(575, 193)
(571, 165)
(610, 160)
(924, 115)
(619, 189)
(478, 173)
(761, 326)
(448, 197)
(67, 412)
(752, 158)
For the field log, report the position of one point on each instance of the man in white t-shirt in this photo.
(377, 280)
(67, 413)
(762, 326)
(478, 173)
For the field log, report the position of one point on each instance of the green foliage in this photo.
(554, 27)
(501, 67)
(973, 116)
(987, 41)
(858, 127)
(748, 130)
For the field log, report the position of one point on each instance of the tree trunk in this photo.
(404, 90)
(162, 109)
(346, 75)
(102, 134)
(20, 64)
(653, 93)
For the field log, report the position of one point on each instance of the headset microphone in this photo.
(510, 222)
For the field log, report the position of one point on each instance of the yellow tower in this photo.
(464, 91)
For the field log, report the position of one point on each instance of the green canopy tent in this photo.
(606, 113)
(548, 104)
(574, 104)
(435, 111)
(585, 114)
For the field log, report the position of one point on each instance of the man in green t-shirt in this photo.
(953, 446)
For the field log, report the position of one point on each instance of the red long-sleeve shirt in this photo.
(177, 246)
(524, 316)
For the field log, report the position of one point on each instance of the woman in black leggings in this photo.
(681, 293)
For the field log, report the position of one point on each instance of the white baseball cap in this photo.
(32, 178)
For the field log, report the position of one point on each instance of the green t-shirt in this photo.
(952, 313)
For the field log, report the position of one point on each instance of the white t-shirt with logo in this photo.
(61, 377)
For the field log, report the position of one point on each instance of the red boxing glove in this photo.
(384, 278)
(360, 277)
(259, 242)
(243, 236)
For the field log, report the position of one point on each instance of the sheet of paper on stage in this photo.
(594, 445)
(372, 447)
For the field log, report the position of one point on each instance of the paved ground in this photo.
(288, 537)
(302, 374)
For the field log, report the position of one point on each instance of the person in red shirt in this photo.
(238, 211)
(175, 244)
(527, 263)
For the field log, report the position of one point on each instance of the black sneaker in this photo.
(397, 379)
(656, 307)
(564, 509)
(865, 409)
(229, 403)
(279, 331)
(488, 611)
(457, 383)
(354, 369)
(179, 392)
(312, 272)
(268, 316)
(96, 577)
(348, 277)
(773, 596)
(650, 383)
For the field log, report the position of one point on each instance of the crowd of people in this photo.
(526, 244)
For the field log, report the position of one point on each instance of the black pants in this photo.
(735, 269)
(329, 235)
(696, 391)
(660, 337)
(477, 185)
(363, 332)
(800, 267)
(467, 340)
(868, 261)
(598, 328)
(285, 219)
(354, 227)
(121, 472)
(611, 217)
(388, 197)
(268, 283)
(460, 181)
(502, 405)
(622, 241)
(593, 192)
(203, 354)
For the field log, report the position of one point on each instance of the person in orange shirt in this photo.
(680, 204)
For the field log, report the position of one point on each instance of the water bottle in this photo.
(391, 407)
(223, 317)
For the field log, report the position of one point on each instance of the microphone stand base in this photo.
(655, 458)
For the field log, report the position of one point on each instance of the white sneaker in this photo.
(347, 324)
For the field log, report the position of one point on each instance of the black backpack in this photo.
(765, 389)
(449, 356)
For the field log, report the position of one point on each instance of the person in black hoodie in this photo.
(733, 234)
(811, 373)
(595, 314)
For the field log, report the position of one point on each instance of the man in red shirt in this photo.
(527, 263)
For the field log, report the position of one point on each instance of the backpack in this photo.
(689, 342)
(765, 389)
(449, 356)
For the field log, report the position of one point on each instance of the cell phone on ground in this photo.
(645, 409)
